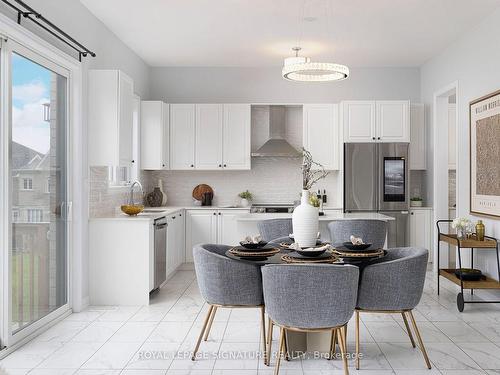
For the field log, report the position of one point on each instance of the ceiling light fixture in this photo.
(300, 68)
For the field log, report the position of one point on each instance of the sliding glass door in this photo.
(37, 190)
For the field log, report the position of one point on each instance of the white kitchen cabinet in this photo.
(321, 135)
(376, 121)
(236, 136)
(208, 131)
(175, 242)
(110, 118)
(201, 228)
(452, 137)
(182, 139)
(211, 226)
(421, 228)
(418, 141)
(359, 121)
(393, 121)
(154, 135)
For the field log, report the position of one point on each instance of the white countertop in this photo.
(328, 217)
(421, 208)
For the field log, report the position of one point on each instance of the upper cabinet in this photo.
(321, 134)
(208, 130)
(358, 119)
(154, 135)
(236, 136)
(376, 121)
(418, 142)
(209, 136)
(182, 140)
(110, 118)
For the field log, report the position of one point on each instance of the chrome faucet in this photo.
(131, 197)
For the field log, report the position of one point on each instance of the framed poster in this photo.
(485, 155)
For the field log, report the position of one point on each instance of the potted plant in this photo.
(305, 220)
(462, 225)
(246, 197)
(416, 202)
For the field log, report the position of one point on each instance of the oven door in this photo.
(393, 176)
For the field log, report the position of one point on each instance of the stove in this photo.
(266, 208)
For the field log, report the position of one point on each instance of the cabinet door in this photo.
(418, 142)
(321, 134)
(228, 233)
(126, 116)
(236, 136)
(181, 245)
(201, 228)
(182, 130)
(171, 246)
(208, 147)
(420, 228)
(154, 135)
(358, 119)
(393, 121)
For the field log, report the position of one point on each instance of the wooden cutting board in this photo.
(200, 189)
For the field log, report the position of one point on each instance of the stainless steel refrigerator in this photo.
(376, 180)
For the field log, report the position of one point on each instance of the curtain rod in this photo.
(49, 27)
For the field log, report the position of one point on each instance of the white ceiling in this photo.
(262, 32)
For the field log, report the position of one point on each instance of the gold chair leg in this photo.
(202, 331)
(419, 338)
(280, 350)
(408, 328)
(357, 339)
(209, 327)
(269, 340)
(333, 344)
(343, 348)
(285, 344)
(264, 342)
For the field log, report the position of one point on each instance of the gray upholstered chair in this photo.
(224, 282)
(323, 298)
(371, 231)
(274, 228)
(394, 285)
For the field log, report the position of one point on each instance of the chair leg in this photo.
(264, 342)
(280, 350)
(202, 331)
(408, 328)
(285, 344)
(333, 344)
(269, 340)
(209, 327)
(357, 339)
(419, 338)
(343, 348)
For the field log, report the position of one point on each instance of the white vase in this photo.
(305, 222)
(244, 202)
(164, 199)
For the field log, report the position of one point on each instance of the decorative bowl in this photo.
(132, 209)
(351, 246)
(253, 245)
(469, 274)
(311, 253)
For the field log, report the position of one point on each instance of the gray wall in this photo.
(474, 62)
(258, 85)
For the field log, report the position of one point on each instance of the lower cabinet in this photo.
(421, 228)
(175, 242)
(211, 226)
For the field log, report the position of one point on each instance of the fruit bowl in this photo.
(132, 209)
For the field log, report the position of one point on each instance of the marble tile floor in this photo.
(133, 340)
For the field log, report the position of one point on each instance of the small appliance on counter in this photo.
(206, 199)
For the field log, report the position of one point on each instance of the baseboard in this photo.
(186, 266)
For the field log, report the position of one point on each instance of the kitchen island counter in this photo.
(330, 216)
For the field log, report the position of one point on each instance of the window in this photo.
(35, 215)
(27, 184)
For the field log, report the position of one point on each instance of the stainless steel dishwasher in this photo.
(160, 254)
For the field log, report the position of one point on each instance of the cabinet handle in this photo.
(411, 213)
(192, 165)
(133, 161)
(215, 213)
(163, 165)
(220, 165)
(373, 138)
(173, 217)
(219, 213)
(225, 165)
(378, 138)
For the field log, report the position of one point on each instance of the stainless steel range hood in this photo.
(276, 145)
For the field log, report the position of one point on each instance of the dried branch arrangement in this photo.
(309, 175)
